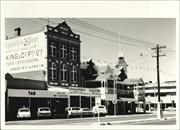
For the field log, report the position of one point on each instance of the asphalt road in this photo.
(120, 119)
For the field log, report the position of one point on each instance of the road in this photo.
(120, 119)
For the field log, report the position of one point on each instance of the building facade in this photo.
(63, 56)
(167, 95)
(43, 70)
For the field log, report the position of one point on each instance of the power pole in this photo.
(159, 110)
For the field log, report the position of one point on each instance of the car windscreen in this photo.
(24, 110)
(86, 109)
(44, 109)
(75, 109)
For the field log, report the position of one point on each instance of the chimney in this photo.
(17, 31)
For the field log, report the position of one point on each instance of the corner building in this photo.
(43, 70)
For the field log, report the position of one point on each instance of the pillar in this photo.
(90, 102)
(29, 102)
(144, 106)
(79, 101)
(124, 107)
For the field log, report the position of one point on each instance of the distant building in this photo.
(88, 72)
(167, 95)
(119, 97)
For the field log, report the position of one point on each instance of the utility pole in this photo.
(159, 108)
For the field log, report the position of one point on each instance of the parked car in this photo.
(101, 109)
(170, 109)
(86, 112)
(73, 111)
(23, 113)
(44, 112)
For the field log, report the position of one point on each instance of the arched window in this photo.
(52, 49)
(64, 72)
(52, 71)
(74, 74)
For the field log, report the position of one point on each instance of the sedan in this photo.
(44, 112)
(23, 113)
(86, 112)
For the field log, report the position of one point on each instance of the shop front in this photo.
(83, 97)
(33, 99)
(57, 101)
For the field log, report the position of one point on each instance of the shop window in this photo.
(63, 51)
(52, 49)
(53, 71)
(74, 53)
(64, 73)
(74, 74)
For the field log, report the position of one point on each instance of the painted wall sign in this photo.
(26, 53)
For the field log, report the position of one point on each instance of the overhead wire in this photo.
(169, 51)
(109, 33)
(122, 42)
(112, 33)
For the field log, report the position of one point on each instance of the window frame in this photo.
(64, 73)
(74, 74)
(74, 53)
(52, 49)
(53, 71)
(63, 51)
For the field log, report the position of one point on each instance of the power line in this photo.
(113, 33)
(168, 52)
(171, 49)
(122, 42)
(139, 57)
(109, 33)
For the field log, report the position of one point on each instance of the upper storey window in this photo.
(63, 50)
(52, 49)
(74, 53)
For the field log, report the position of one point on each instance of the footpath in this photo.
(167, 115)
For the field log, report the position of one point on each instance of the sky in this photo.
(105, 49)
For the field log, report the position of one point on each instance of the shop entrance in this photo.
(58, 106)
(75, 101)
(85, 102)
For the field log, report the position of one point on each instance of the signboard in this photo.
(111, 97)
(84, 91)
(26, 53)
(36, 93)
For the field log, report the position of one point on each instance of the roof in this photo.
(85, 65)
(33, 75)
(104, 77)
(135, 81)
